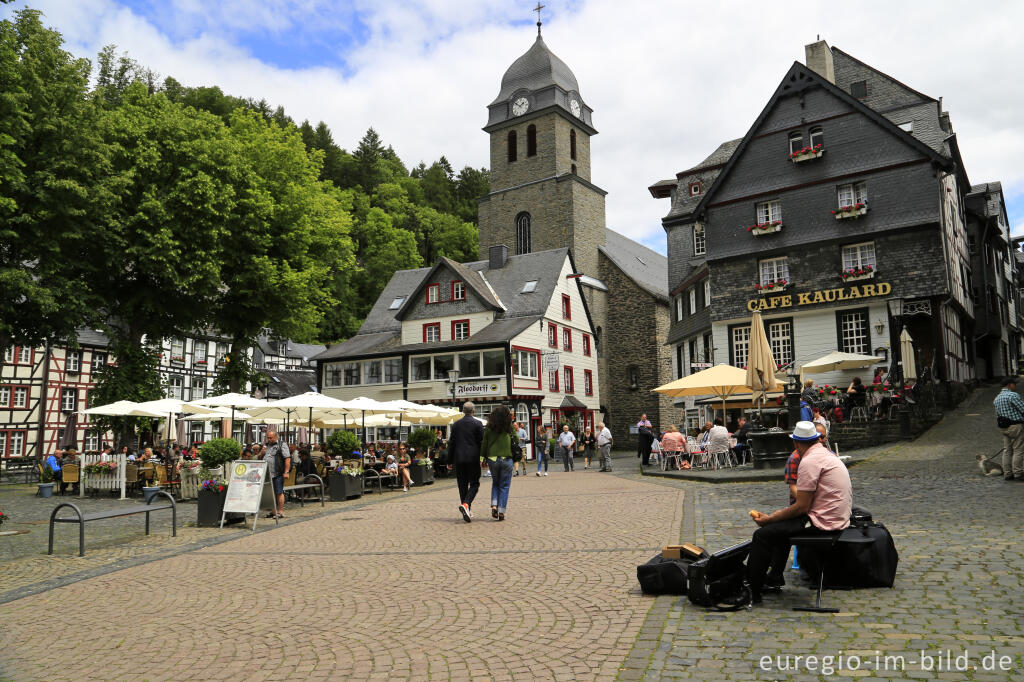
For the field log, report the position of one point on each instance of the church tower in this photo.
(541, 195)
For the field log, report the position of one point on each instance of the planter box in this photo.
(421, 474)
(856, 278)
(345, 487)
(149, 492)
(768, 230)
(211, 506)
(807, 156)
(855, 213)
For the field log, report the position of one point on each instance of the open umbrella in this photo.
(837, 360)
(315, 405)
(233, 400)
(761, 367)
(122, 408)
(720, 381)
(907, 353)
(364, 406)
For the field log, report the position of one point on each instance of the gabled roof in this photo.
(707, 172)
(648, 268)
(302, 351)
(91, 337)
(474, 282)
(799, 78)
(882, 98)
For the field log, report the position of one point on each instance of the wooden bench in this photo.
(112, 513)
(825, 542)
(305, 486)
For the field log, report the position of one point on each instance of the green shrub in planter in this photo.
(342, 443)
(219, 451)
(422, 440)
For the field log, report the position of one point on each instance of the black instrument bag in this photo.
(663, 576)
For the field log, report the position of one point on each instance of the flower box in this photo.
(807, 153)
(201, 362)
(345, 486)
(177, 358)
(854, 211)
(771, 287)
(758, 229)
(855, 274)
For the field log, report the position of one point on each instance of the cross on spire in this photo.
(537, 9)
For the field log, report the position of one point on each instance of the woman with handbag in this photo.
(496, 450)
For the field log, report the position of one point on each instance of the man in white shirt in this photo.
(718, 440)
(567, 442)
(604, 446)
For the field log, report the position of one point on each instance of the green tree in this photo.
(51, 161)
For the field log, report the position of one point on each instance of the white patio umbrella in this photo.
(364, 406)
(907, 353)
(317, 405)
(169, 407)
(216, 416)
(239, 401)
(122, 408)
(423, 413)
(837, 360)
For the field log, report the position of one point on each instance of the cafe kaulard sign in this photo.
(820, 296)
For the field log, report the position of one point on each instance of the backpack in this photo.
(517, 450)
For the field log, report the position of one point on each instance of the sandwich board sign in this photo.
(245, 488)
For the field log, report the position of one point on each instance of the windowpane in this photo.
(692, 295)
(796, 142)
(177, 348)
(780, 336)
(352, 373)
(372, 372)
(494, 363)
(458, 291)
(198, 388)
(769, 211)
(469, 365)
(74, 361)
(421, 368)
(431, 333)
(392, 371)
(774, 269)
(566, 339)
(24, 355)
(568, 379)
(17, 443)
(853, 328)
(523, 236)
(460, 330)
(817, 137)
(443, 363)
(707, 293)
(332, 375)
(699, 240)
(20, 397)
(5, 396)
(740, 346)
(859, 256)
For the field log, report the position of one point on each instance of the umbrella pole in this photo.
(364, 432)
(309, 436)
(231, 429)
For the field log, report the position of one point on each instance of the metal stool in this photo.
(859, 413)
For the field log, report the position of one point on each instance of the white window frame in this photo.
(369, 378)
(852, 193)
(5, 396)
(24, 355)
(859, 256)
(700, 240)
(99, 359)
(739, 339)
(9, 355)
(73, 361)
(769, 211)
(433, 293)
(16, 443)
(850, 340)
(773, 269)
(459, 291)
(566, 339)
(431, 333)
(177, 348)
(530, 363)
(588, 382)
(691, 295)
(460, 330)
(92, 440)
(798, 138)
(707, 292)
(198, 388)
(780, 339)
(221, 352)
(679, 308)
(397, 303)
(818, 133)
(176, 387)
(20, 397)
(68, 399)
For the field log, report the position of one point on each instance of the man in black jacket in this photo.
(464, 453)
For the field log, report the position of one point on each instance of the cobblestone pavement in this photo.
(397, 589)
(958, 588)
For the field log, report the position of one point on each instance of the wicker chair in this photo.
(69, 474)
(131, 477)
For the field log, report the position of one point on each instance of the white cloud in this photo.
(668, 81)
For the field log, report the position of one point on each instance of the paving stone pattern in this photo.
(958, 587)
(398, 589)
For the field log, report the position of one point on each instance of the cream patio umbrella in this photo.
(122, 408)
(761, 367)
(364, 406)
(907, 353)
(837, 360)
(316, 405)
(239, 401)
(171, 406)
(721, 381)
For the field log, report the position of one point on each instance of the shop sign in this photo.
(470, 389)
(821, 296)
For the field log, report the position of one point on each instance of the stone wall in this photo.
(552, 157)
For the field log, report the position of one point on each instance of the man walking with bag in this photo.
(1010, 420)
(464, 451)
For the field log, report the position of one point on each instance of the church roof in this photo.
(648, 268)
(538, 68)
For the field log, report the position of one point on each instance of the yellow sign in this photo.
(821, 296)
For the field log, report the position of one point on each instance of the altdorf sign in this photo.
(821, 296)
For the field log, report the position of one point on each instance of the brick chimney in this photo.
(497, 256)
(819, 60)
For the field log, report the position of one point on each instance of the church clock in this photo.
(574, 107)
(520, 106)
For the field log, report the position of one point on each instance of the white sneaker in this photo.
(545, 473)
(538, 473)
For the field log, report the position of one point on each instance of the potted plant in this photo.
(346, 483)
(422, 471)
(342, 443)
(851, 211)
(213, 490)
(45, 481)
(807, 153)
(218, 452)
(758, 229)
(768, 287)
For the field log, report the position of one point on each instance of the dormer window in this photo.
(694, 189)
(397, 303)
(433, 293)
(458, 290)
(530, 287)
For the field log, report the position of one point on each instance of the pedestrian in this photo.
(645, 439)
(404, 462)
(589, 444)
(524, 438)
(543, 450)
(567, 443)
(464, 453)
(279, 463)
(1010, 420)
(496, 449)
(604, 446)
(53, 464)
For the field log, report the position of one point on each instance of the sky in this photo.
(668, 80)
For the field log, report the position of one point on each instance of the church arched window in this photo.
(572, 145)
(512, 146)
(531, 140)
(523, 238)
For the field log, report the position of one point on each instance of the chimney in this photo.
(819, 60)
(497, 256)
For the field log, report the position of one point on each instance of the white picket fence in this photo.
(108, 481)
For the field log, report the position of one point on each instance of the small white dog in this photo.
(989, 467)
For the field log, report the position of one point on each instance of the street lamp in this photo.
(453, 379)
(896, 312)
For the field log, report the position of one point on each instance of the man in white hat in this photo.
(824, 498)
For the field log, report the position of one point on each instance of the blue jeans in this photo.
(501, 481)
(542, 460)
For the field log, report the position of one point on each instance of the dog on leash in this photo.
(989, 467)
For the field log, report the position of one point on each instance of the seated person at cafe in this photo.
(856, 395)
(705, 436)
(674, 443)
(306, 464)
(823, 499)
(741, 447)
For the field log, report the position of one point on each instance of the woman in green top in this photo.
(496, 449)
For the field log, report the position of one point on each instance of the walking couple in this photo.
(471, 444)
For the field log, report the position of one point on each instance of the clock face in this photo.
(520, 106)
(574, 106)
